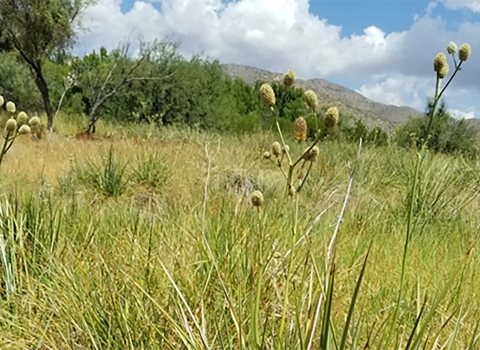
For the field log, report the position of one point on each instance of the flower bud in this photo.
(276, 149)
(266, 155)
(330, 118)
(257, 198)
(464, 52)
(11, 107)
(2, 101)
(267, 94)
(22, 118)
(300, 129)
(311, 98)
(291, 191)
(34, 121)
(289, 78)
(312, 154)
(11, 126)
(24, 129)
(443, 71)
(451, 47)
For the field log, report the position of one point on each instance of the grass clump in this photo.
(109, 178)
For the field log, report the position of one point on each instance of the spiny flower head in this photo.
(330, 118)
(464, 52)
(11, 126)
(300, 129)
(24, 129)
(439, 61)
(311, 98)
(276, 149)
(289, 78)
(311, 155)
(451, 47)
(11, 107)
(257, 198)
(22, 118)
(267, 95)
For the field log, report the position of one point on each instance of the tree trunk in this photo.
(43, 88)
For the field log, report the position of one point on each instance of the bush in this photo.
(447, 135)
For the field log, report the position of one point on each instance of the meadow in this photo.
(165, 235)
(136, 240)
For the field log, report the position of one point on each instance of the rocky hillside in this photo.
(370, 112)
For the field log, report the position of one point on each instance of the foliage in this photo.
(38, 29)
(447, 135)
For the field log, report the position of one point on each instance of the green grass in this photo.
(174, 260)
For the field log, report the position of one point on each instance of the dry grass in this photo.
(102, 285)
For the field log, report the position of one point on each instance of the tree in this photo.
(101, 76)
(37, 29)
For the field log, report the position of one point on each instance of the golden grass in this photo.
(97, 275)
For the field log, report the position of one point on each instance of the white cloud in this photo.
(281, 34)
(398, 90)
(473, 5)
(455, 113)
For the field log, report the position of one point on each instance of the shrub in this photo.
(447, 135)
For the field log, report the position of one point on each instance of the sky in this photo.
(383, 49)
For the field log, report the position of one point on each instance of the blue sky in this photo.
(383, 49)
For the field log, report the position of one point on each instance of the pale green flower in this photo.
(276, 149)
(451, 47)
(464, 52)
(11, 107)
(289, 78)
(267, 94)
(311, 98)
(22, 118)
(24, 129)
(34, 121)
(11, 126)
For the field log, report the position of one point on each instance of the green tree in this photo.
(37, 29)
(447, 134)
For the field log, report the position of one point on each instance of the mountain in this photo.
(370, 112)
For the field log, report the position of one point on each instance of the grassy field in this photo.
(134, 240)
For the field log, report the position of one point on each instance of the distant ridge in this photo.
(370, 112)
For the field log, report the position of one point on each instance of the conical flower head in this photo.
(300, 129)
(11, 107)
(257, 198)
(289, 78)
(11, 126)
(439, 62)
(330, 118)
(311, 98)
(267, 95)
(276, 149)
(464, 52)
(22, 118)
(451, 47)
